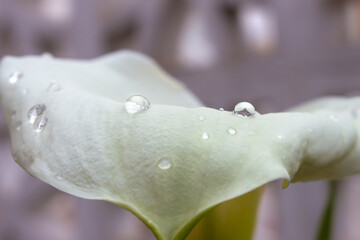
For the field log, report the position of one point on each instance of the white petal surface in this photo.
(157, 163)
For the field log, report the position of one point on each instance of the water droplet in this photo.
(47, 55)
(221, 109)
(137, 104)
(18, 125)
(201, 118)
(15, 77)
(25, 91)
(13, 114)
(54, 87)
(164, 163)
(280, 136)
(59, 177)
(353, 113)
(35, 112)
(333, 118)
(40, 124)
(231, 131)
(205, 135)
(310, 128)
(244, 109)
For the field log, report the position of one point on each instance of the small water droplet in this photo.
(353, 113)
(25, 91)
(13, 114)
(333, 118)
(15, 77)
(201, 118)
(137, 104)
(35, 112)
(280, 136)
(205, 135)
(231, 131)
(59, 177)
(244, 109)
(18, 125)
(40, 124)
(54, 87)
(221, 109)
(164, 164)
(310, 128)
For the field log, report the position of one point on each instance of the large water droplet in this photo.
(201, 118)
(54, 87)
(136, 104)
(221, 109)
(231, 131)
(35, 112)
(244, 109)
(164, 163)
(40, 124)
(205, 135)
(15, 77)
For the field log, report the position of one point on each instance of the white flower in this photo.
(72, 130)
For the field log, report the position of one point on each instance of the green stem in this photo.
(324, 232)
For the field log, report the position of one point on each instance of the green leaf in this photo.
(93, 148)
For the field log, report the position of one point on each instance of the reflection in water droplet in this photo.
(221, 109)
(164, 163)
(244, 109)
(35, 112)
(25, 91)
(231, 131)
(40, 124)
(15, 77)
(54, 87)
(205, 135)
(137, 104)
(18, 125)
(201, 118)
(333, 118)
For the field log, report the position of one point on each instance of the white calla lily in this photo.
(173, 161)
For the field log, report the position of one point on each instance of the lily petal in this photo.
(168, 164)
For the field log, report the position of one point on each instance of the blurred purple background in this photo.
(274, 54)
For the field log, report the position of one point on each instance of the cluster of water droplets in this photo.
(36, 118)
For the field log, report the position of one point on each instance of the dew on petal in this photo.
(137, 104)
(221, 109)
(15, 77)
(40, 124)
(333, 118)
(205, 135)
(25, 91)
(35, 112)
(244, 109)
(164, 164)
(201, 118)
(231, 131)
(18, 125)
(54, 87)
